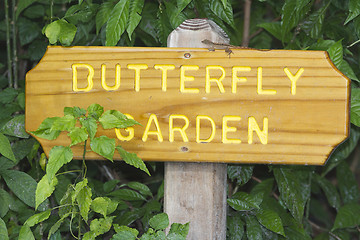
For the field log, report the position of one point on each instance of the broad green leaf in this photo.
(124, 234)
(102, 15)
(78, 135)
(225, 13)
(163, 27)
(115, 119)
(22, 148)
(336, 53)
(8, 95)
(142, 188)
(101, 225)
(290, 191)
(347, 216)
(313, 24)
(52, 31)
(159, 221)
(103, 146)
(242, 201)
(28, 31)
(23, 5)
(235, 227)
(355, 106)
(5, 200)
(271, 221)
(110, 185)
(354, 10)
(59, 156)
(3, 230)
(176, 17)
(95, 111)
(74, 111)
(44, 189)
(5, 148)
(25, 233)
(181, 4)
(54, 228)
(5, 163)
(90, 125)
(131, 216)
(348, 186)
(347, 70)
(117, 22)
(132, 159)
(264, 187)
(65, 123)
(127, 195)
(37, 218)
(44, 130)
(103, 205)
(181, 229)
(15, 127)
(253, 229)
(241, 173)
(330, 191)
(274, 28)
(22, 185)
(66, 202)
(83, 194)
(136, 7)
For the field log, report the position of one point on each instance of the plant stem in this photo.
(79, 227)
(15, 59)
(246, 31)
(51, 10)
(8, 46)
(83, 158)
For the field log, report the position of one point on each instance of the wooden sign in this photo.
(252, 106)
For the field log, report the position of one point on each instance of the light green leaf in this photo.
(355, 106)
(65, 123)
(271, 221)
(117, 22)
(241, 173)
(242, 201)
(159, 221)
(127, 195)
(62, 31)
(235, 227)
(59, 156)
(142, 188)
(348, 186)
(44, 190)
(354, 10)
(83, 194)
(22, 185)
(66, 202)
(78, 135)
(103, 205)
(103, 146)
(44, 130)
(90, 125)
(15, 127)
(136, 7)
(52, 32)
(25, 233)
(181, 229)
(56, 226)
(3, 230)
(115, 119)
(253, 229)
(330, 191)
(37, 218)
(5, 148)
(101, 225)
(132, 159)
(347, 216)
(102, 15)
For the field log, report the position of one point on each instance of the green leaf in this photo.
(136, 7)
(3, 230)
(336, 53)
(159, 221)
(132, 159)
(15, 127)
(115, 119)
(181, 229)
(74, 111)
(22, 5)
(225, 13)
(242, 201)
(347, 216)
(66, 202)
(52, 31)
(83, 195)
(45, 129)
(271, 221)
(103, 146)
(5, 148)
(25, 233)
(354, 10)
(102, 15)
(124, 234)
(44, 189)
(5, 200)
(181, 4)
(290, 191)
(117, 22)
(142, 188)
(37, 218)
(264, 188)
(8, 95)
(355, 106)
(90, 125)
(95, 111)
(313, 25)
(59, 155)
(330, 191)
(235, 227)
(101, 225)
(241, 173)
(348, 71)
(78, 135)
(253, 229)
(348, 186)
(66, 123)
(22, 185)
(163, 26)
(23, 148)
(103, 205)
(127, 195)
(28, 31)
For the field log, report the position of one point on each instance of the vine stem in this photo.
(8, 45)
(15, 59)
(83, 159)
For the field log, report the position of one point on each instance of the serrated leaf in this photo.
(313, 25)
(66, 202)
(65, 123)
(271, 221)
(132, 159)
(127, 195)
(241, 173)
(5, 148)
(15, 127)
(25, 233)
(181, 229)
(59, 156)
(102, 15)
(103, 205)
(103, 146)
(136, 7)
(242, 201)
(78, 135)
(159, 221)
(117, 22)
(44, 190)
(348, 186)
(101, 225)
(90, 125)
(37, 218)
(354, 10)
(82, 194)
(95, 111)
(235, 227)
(347, 216)
(163, 27)
(116, 119)
(22, 185)
(253, 229)
(3, 230)
(330, 191)
(74, 111)
(142, 188)
(124, 234)
(44, 130)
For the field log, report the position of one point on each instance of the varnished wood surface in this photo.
(303, 128)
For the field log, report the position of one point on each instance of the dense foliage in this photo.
(265, 202)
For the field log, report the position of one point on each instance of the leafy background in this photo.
(264, 202)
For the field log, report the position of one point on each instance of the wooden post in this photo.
(196, 192)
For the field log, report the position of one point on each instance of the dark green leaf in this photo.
(163, 27)
(90, 125)
(235, 227)
(142, 188)
(354, 10)
(241, 173)
(348, 186)
(95, 111)
(103, 14)
(15, 127)
(103, 146)
(22, 185)
(8, 95)
(35, 11)
(5, 163)
(22, 5)
(3, 230)
(253, 229)
(127, 195)
(132, 159)
(347, 70)
(313, 25)
(136, 7)
(117, 22)
(66, 202)
(330, 191)
(5, 148)
(78, 135)
(336, 53)
(59, 155)
(347, 216)
(44, 190)
(225, 13)
(44, 130)
(242, 201)
(159, 221)
(355, 106)
(22, 148)
(271, 221)
(28, 31)
(181, 4)
(5, 200)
